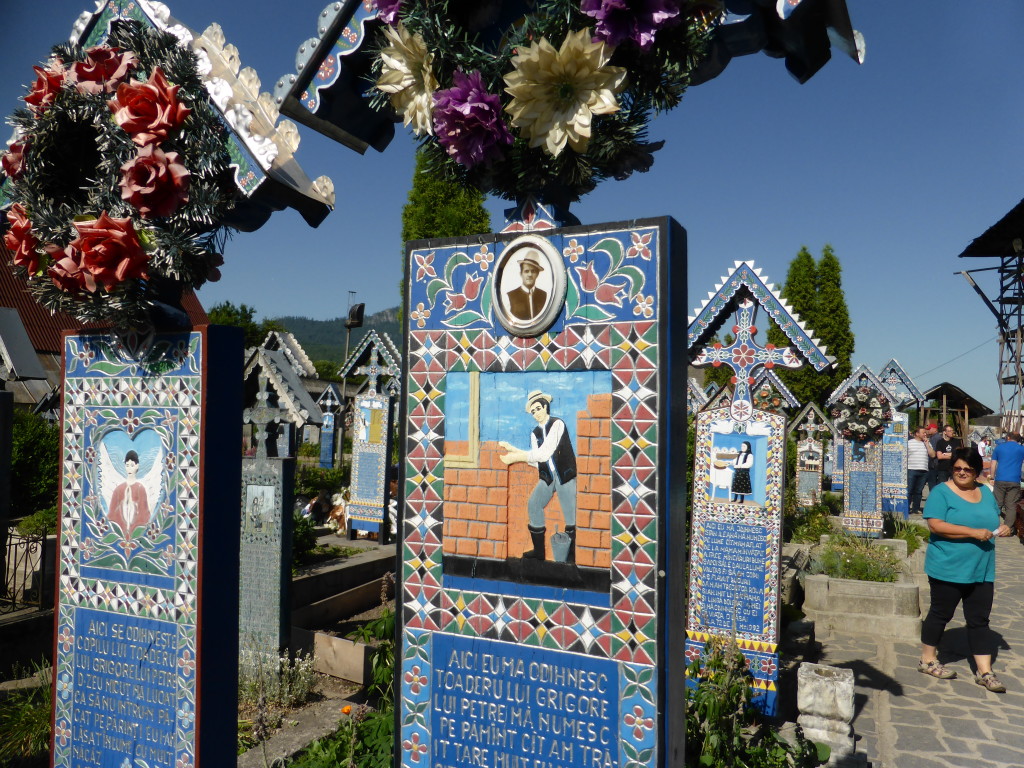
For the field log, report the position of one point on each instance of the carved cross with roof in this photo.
(261, 416)
(375, 370)
(810, 428)
(746, 357)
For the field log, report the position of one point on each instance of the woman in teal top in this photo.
(961, 565)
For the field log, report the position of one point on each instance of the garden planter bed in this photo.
(876, 609)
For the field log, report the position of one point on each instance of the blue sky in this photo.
(898, 163)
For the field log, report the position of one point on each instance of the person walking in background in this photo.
(961, 566)
(933, 438)
(919, 455)
(1007, 459)
(944, 448)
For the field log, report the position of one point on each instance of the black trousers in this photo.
(977, 600)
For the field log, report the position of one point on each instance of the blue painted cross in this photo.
(745, 356)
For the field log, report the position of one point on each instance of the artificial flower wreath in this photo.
(118, 179)
(862, 414)
(546, 100)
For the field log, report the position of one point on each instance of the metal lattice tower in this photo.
(1004, 241)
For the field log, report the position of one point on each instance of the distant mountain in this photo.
(325, 339)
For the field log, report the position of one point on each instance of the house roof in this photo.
(45, 329)
(998, 239)
(957, 399)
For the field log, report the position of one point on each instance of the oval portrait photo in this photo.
(529, 286)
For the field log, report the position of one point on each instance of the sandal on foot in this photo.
(990, 681)
(935, 669)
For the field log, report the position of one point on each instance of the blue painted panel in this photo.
(124, 691)
(506, 705)
(734, 576)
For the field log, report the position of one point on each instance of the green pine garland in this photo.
(72, 168)
(656, 81)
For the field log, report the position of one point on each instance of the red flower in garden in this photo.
(149, 112)
(20, 240)
(48, 83)
(103, 70)
(110, 249)
(154, 182)
(13, 160)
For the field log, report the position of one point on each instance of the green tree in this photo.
(832, 322)
(722, 375)
(243, 316)
(440, 208)
(327, 370)
(801, 292)
(35, 463)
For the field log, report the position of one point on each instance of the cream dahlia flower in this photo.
(555, 94)
(407, 76)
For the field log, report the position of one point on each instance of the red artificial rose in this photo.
(110, 250)
(13, 160)
(103, 69)
(20, 240)
(48, 83)
(149, 111)
(66, 270)
(154, 182)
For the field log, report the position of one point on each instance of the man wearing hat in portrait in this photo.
(527, 301)
(552, 453)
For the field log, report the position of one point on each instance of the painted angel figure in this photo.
(130, 498)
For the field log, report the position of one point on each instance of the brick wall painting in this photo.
(487, 499)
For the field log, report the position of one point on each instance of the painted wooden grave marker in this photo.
(536, 626)
(862, 444)
(811, 423)
(268, 486)
(372, 429)
(736, 531)
(147, 614)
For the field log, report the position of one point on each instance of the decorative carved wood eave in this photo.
(390, 357)
(262, 148)
(865, 373)
(287, 344)
(801, 31)
(896, 373)
(744, 281)
(696, 397)
(292, 397)
(327, 89)
(772, 380)
(820, 418)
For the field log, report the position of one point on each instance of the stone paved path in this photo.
(908, 720)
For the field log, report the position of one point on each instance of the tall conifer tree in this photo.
(439, 208)
(832, 321)
(800, 292)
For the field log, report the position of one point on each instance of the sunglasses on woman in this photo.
(963, 470)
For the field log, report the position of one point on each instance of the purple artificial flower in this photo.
(636, 20)
(387, 10)
(467, 121)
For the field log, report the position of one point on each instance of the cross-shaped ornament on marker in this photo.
(810, 427)
(745, 357)
(375, 370)
(330, 404)
(261, 416)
